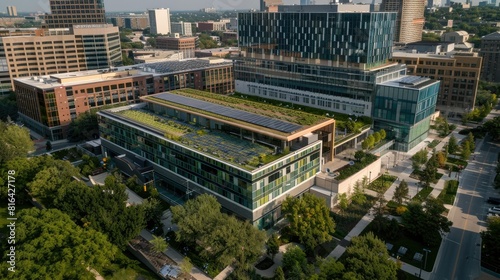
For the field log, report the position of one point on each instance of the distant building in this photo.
(458, 72)
(151, 56)
(159, 21)
(183, 28)
(409, 21)
(135, 22)
(490, 51)
(210, 10)
(219, 52)
(306, 2)
(233, 24)
(187, 45)
(48, 103)
(229, 36)
(12, 11)
(455, 36)
(212, 26)
(270, 5)
(66, 13)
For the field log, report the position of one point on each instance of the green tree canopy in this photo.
(309, 219)
(273, 246)
(49, 245)
(159, 244)
(295, 264)
(419, 159)
(15, 142)
(491, 242)
(452, 145)
(401, 192)
(84, 127)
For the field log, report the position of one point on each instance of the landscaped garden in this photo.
(449, 192)
(345, 220)
(433, 144)
(362, 161)
(422, 194)
(382, 183)
(71, 154)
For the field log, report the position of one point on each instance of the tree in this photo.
(425, 222)
(491, 242)
(470, 138)
(371, 141)
(419, 159)
(159, 244)
(428, 175)
(153, 211)
(379, 206)
(452, 145)
(383, 134)
(441, 159)
(84, 127)
(51, 246)
(15, 142)
(309, 219)
(330, 268)
(295, 263)
(273, 246)
(8, 108)
(365, 144)
(279, 274)
(359, 155)
(48, 146)
(343, 201)
(367, 258)
(401, 192)
(376, 137)
(358, 196)
(186, 266)
(466, 148)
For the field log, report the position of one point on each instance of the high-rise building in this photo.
(66, 13)
(490, 51)
(270, 5)
(48, 103)
(326, 56)
(134, 22)
(159, 21)
(458, 72)
(183, 28)
(409, 20)
(12, 11)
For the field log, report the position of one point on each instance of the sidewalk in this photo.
(177, 257)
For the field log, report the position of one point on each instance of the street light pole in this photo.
(425, 262)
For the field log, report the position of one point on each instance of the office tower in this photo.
(456, 96)
(409, 20)
(12, 11)
(326, 56)
(270, 5)
(490, 51)
(134, 22)
(159, 21)
(183, 28)
(66, 13)
(47, 104)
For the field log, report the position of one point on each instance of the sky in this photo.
(143, 5)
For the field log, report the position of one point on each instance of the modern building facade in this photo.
(212, 26)
(490, 51)
(12, 11)
(326, 56)
(458, 72)
(159, 21)
(66, 13)
(134, 22)
(47, 104)
(403, 108)
(410, 19)
(249, 160)
(46, 52)
(183, 28)
(186, 45)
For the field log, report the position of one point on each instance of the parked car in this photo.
(494, 210)
(493, 200)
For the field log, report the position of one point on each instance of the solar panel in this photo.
(252, 118)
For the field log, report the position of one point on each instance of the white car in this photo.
(494, 210)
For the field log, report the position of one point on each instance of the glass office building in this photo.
(403, 108)
(250, 162)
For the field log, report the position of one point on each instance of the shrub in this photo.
(400, 210)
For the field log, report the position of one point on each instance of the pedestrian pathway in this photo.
(278, 260)
(177, 257)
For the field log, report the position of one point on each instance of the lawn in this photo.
(422, 194)
(449, 192)
(416, 175)
(413, 247)
(433, 144)
(345, 221)
(456, 161)
(382, 183)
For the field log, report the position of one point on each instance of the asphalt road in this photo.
(459, 255)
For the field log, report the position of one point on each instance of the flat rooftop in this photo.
(447, 55)
(115, 73)
(414, 82)
(332, 8)
(227, 147)
(282, 121)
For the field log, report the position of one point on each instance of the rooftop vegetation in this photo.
(362, 161)
(227, 147)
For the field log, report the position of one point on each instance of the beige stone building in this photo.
(186, 45)
(66, 13)
(459, 75)
(410, 19)
(46, 52)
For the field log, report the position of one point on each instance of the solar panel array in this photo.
(232, 113)
(177, 66)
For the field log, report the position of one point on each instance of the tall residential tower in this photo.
(409, 21)
(66, 13)
(159, 21)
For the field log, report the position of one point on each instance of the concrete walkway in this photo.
(177, 258)
(398, 164)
